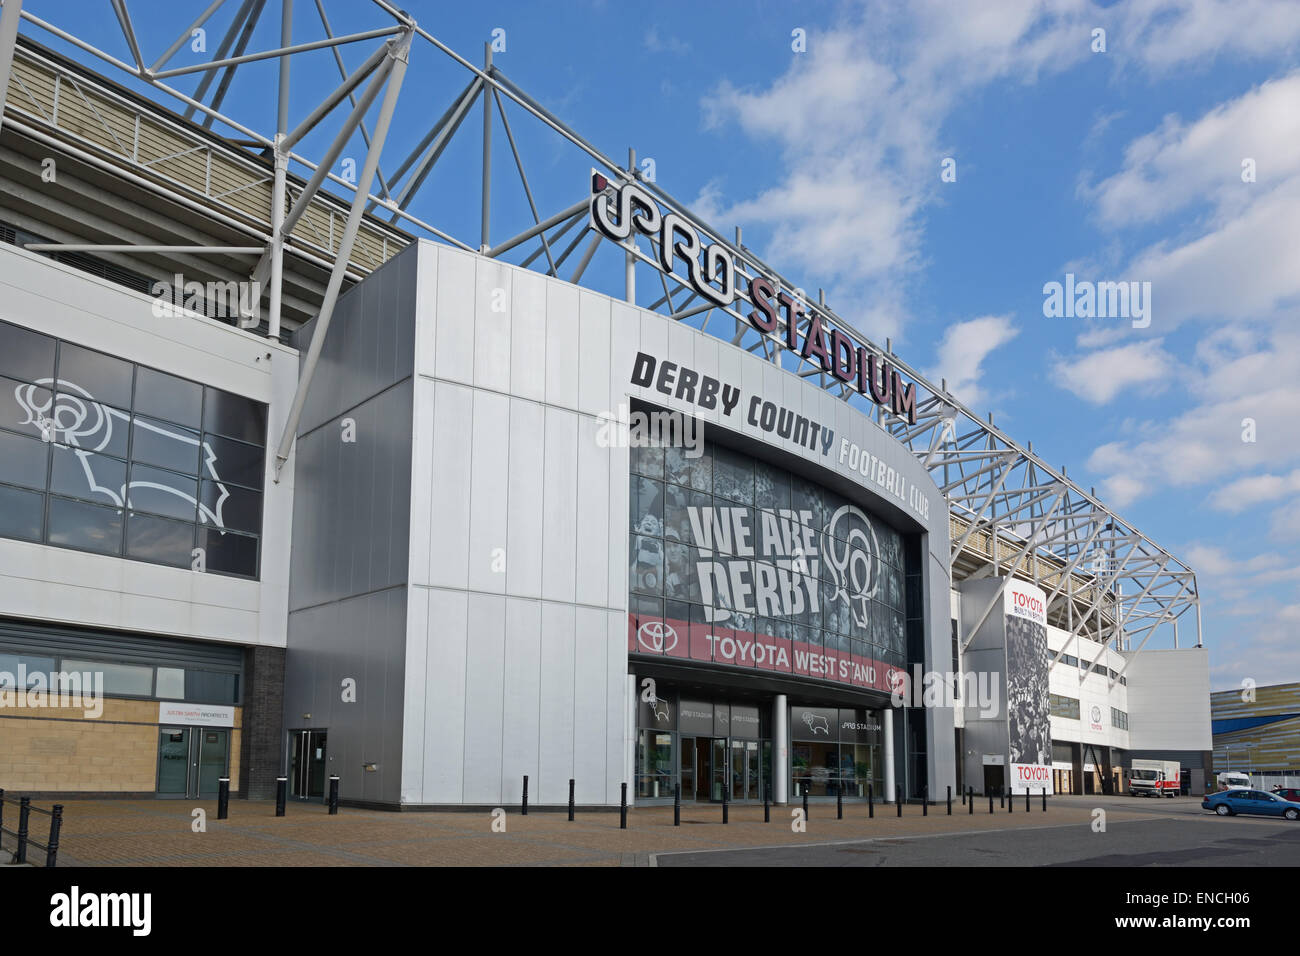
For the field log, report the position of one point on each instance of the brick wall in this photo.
(261, 750)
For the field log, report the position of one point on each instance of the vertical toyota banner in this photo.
(1029, 732)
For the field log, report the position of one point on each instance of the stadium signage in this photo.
(616, 209)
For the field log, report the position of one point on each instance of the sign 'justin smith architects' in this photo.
(712, 273)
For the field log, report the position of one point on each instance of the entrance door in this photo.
(744, 770)
(993, 779)
(307, 764)
(192, 760)
(718, 768)
(688, 768)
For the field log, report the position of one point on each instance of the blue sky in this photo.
(1117, 165)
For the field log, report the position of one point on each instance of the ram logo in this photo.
(82, 426)
(816, 723)
(659, 707)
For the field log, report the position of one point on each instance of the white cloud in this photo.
(963, 350)
(1248, 492)
(1099, 376)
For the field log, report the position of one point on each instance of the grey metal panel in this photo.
(492, 317)
(556, 712)
(49, 639)
(525, 496)
(593, 531)
(590, 730)
(561, 345)
(454, 349)
(615, 698)
(444, 682)
(560, 506)
(484, 701)
(448, 532)
(522, 671)
(412, 728)
(593, 353)
(528, 336)
(490, 480)
(1169, 699)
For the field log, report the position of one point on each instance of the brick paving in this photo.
(158, 833)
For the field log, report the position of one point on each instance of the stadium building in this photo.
(294, 482)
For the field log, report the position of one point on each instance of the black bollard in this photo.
(990, 801)
(949, 799)
(805, 802)
(223, 798)
(56, 824)
(970, 801)
(767, 804)
(839, 803)
(622, 810)
(1002, 798)
(726, 802)
(1026, 799)
(24, 812)
(570, 799)
(1044, 799)
(677, 805)
(281, 794)
(524, 806)
(925, 800)
(898, 798)
(1011, 802)
(334, 795)
(871, 803)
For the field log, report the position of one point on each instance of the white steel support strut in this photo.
(399, 52)
(10, 14)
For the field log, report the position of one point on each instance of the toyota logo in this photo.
(657, 636)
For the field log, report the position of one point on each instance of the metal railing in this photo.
(23, 834)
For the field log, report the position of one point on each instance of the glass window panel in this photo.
(805, 496)
(132, 679)
(32, 666)
(234, 416)
(163, 492)
(159, 540)
(75, 524)
(677, 514)
(682, 580)
(82, 423)
(94, 375)
(23, 407)
(648, 460)
(237, 508)
(23, 461)
(686, 468)
(22, 513)
(229, 552)
(733, 475)
(168, 397)
(646, 506)
(83, 474)
(210, 687)
(233, 461)
(166, 445)
(771, 487)
(25, 354)
(646, 564)
(171, 683)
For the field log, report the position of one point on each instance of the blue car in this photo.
(1226, 803)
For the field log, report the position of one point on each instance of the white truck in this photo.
(1233, 780)
(1151, 778)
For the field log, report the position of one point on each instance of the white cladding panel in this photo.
(70, 587)
(1169, 707)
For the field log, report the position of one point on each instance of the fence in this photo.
(22, 835)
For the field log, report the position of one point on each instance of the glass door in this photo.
(717, 768)
(688, 769)
(307, 764)
(214, 749)
(173, 761)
